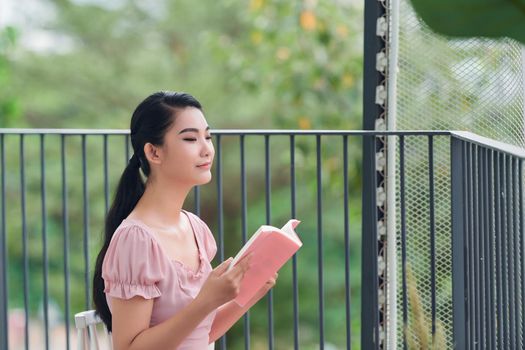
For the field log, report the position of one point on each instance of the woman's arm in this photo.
(131, 317)
(231, 312)
(131, 324)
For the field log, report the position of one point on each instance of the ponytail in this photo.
(129, 191)
(150, 121)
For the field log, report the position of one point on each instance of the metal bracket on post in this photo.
(380, 95)
(381, 62)
(382, 26)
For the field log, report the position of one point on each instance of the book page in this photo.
(246, 246)
(289, 229)
(286, 231)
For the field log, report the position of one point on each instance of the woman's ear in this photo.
(152, 153)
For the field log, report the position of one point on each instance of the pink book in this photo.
(272, 248)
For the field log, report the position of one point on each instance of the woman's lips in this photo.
(204, 166)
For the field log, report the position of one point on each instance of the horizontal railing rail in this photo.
(14, 131)
(464, 135)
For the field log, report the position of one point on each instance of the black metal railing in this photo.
(56, 186)
(488, 241)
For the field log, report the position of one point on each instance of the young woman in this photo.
(154, 286)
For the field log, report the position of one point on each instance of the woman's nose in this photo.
(207, 149)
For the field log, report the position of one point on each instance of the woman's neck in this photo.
(161, 204)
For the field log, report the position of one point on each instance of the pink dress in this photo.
(136, 264)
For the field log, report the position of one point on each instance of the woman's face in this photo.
(187, 153)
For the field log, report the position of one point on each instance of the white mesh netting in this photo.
(443, 84)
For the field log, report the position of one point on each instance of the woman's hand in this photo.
(222, 285)
(264, 289)
(231, 312)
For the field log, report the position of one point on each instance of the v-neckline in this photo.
(152, 232)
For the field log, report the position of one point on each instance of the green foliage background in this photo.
(253, 64)
(474, 18)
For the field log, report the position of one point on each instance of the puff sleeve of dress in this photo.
(133, 264)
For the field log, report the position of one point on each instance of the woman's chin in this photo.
(204, 179)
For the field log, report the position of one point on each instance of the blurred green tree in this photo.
(9, 106)
(258, 64)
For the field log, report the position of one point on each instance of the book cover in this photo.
(271, 248)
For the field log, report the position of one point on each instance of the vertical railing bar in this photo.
(197, 200)
(462, 214)
(220, 197)
(497, 216)
(482, 151)
(487, 193)
(347, 245)
(127, 138)
(403, 237)
(479, 250)
(512, 250)
(505, 248)
(293, 213)
(24, 241)
(518, 254)
(267, 178)
(494, 172)
(481, 245)
(369, 247)
(508, 254)
(511, 244)
(467, 223)
(86, 226)
(432, 232)
(459, 197)
(468, 229)
(482, 157)
(522, 235)
(491, 255)
(244, 229)
(471, 301)
(222, 340)
(476, 246)
(44, 240)
(320, 241)
(468, 247)
(4, 338)
(65, 223)
(106, 174)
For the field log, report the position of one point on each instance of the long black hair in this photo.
(150, 121)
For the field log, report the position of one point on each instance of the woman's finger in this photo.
(236, 274)
(245, 261)
(242, 266)
(219, 270)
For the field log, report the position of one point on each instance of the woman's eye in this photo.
(190, 139)
(208, 137)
